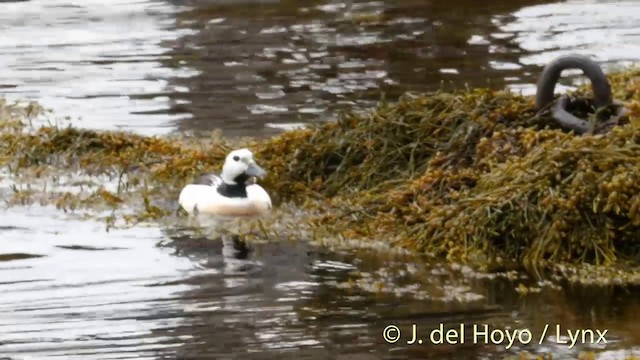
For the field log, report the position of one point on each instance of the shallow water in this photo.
(159, 293)
(72, 290)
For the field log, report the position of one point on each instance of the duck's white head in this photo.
(239, 166)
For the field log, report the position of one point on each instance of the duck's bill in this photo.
(255, 170)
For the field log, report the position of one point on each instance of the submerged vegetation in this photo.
(476, 176)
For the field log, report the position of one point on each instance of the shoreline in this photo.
(460, 176)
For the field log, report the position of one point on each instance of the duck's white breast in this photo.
(259, 197)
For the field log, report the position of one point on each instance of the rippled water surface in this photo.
(251, 67)
(72, 290)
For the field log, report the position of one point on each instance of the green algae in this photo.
(477, 177)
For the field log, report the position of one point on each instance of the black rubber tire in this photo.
(566, 119)
(551, 74)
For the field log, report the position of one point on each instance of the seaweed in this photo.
(476, 176)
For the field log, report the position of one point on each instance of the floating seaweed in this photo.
(475, 176)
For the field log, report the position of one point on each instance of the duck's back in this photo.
(203, 188)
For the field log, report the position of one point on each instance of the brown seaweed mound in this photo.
(475, 176)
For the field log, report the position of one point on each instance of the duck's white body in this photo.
(205, 199)
(226, 196)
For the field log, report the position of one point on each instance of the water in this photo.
(157, 293)
(154, 293)
(71, 290)
(254, 67)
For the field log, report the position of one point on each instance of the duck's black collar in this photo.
(237, 190)
(232, 191)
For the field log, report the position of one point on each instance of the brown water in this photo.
(71, 290)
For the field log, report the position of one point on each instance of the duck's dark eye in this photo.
(236, 158)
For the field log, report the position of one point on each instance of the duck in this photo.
(231, 194)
